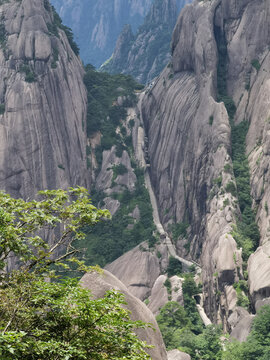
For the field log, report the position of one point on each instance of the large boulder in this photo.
(138, 269)
(99, 283)
(177, 355)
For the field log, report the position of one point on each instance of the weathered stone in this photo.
(42, 135)
(138, 269)
(159, 295)
(259, 273)
(100, 283)
(178, 355)
(242, 329)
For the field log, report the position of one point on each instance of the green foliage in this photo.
(119, 169)
(175, 326)
(190, 289)
(61, 166)
(57, 24)
(266, 208)
(2, 109)
(41, 319)
(20, 221)
(61, 321)
(218, 181)
(174, 267)
(3, 35)
(230, 188)
(168, 286)
(208, 345)
(242, 241)
(107, 241)
(211, 119)
(171, 318)
(256, 64)
(226, 202)
(30, 76)
(228, 168)
(247, 229)
(241, 290)
(103, 114)
(222, 73)
(179, 230)
(55, 58)
(46, 5)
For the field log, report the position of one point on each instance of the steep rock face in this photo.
(100, 283)
(97, 24)
(43, 103)
(148, 269)
(145, 54)
(190, 146)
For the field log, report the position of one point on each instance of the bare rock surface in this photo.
(41, 130)
(100, 283)
(242, 329)
(110, 182)
(237, 316)
(177, 355)
(159, 295)
(138, 269)
(259, 272)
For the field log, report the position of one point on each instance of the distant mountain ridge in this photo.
(145, 54)
(97, 23)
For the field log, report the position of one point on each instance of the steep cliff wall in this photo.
(98, 23)
(43, 102)
(220, 57)
(145, 54)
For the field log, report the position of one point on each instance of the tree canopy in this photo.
(41, 315)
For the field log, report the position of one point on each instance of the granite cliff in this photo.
(204, 122)
(198, 139)
(43, 102)
(218, 79)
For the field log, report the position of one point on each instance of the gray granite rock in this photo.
(43, 139)
(138, 269)
(100, 283)
(177, 355)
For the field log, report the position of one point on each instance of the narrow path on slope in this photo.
(140, 154)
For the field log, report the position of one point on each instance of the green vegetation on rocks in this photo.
(109, 240)
(246, 233)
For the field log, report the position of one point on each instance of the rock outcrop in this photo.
(189, 141)
(148, 52)
(43, 102)
(100, 283)
(178, 355)
(97, 24)
(140, 281)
